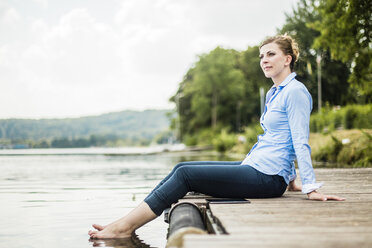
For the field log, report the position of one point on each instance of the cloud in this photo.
(42, 3)
(80, 50)
(11, 17)
(75, 58)
(57, 61)
(153, 35)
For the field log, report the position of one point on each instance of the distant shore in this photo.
(96, 150)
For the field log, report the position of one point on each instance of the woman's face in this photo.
(274, 63)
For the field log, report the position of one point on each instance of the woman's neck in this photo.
(280, 78)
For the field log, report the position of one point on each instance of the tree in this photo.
(209, 95)
(345, 29)
(216, 88)
(183, 106)
(335, 88)
(249, 64)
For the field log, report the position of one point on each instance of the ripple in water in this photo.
(52, 200)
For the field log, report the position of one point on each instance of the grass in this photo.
(336, 149)
(343, 148)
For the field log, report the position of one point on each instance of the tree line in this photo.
(221, 90)
(123, 128)
(109, 140)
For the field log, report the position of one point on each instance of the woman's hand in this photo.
(317, 196)
(292, 186)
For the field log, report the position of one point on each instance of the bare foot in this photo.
(125, 226)
(113, 231)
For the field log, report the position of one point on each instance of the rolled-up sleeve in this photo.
(299, 105)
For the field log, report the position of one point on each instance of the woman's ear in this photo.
(288, 60)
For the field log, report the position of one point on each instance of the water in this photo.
(52, 200)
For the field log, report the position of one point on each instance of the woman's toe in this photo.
(98, 227)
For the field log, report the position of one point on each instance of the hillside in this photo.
(127, 125)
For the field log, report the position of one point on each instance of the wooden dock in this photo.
(294, 221)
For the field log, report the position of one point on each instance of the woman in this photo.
(268, 168)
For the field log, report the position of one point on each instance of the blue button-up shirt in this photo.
(285, 122)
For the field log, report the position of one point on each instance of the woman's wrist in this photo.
(314, 191)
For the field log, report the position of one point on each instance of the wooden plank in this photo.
(295, 221)
(289, 240)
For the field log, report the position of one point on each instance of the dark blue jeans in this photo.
(214, 178)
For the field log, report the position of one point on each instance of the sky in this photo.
(72, 58)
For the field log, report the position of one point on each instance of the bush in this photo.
(329, 152)
(360, 156)
(202, 138)
(205, 137)
(251, 133)
(246, 140)
(224, 141)
(348, 117)
(343, 148)
(190, 140)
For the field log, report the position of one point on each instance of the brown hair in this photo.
(287, 44)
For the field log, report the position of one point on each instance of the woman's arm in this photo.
(299, 104)
(298, 108)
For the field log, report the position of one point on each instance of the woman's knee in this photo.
(179, 165)
(183, 172)
(179, 169)
(183, 164)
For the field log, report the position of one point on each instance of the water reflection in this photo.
(52, 200)
(133, 242)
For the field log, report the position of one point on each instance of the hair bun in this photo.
(294, 45)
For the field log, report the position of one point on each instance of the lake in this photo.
(50, 197)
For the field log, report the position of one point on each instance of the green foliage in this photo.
(249, 64)
(164, 137)
(224, 141)
(245, 140)
(329, 152)
(215, 82)
(221, 90)
(348, 117)
(356, 150)
(335, 87)
(121, 128)
(190, 140)
(206, 98)
(205, 136)
(345, 29)
(251, 133)
(360, 157)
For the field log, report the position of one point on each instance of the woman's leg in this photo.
(124, 227)
(236, 181)
(193, 163)
(233, 181)
(139, 216)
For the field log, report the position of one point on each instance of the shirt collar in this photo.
(286, 80)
